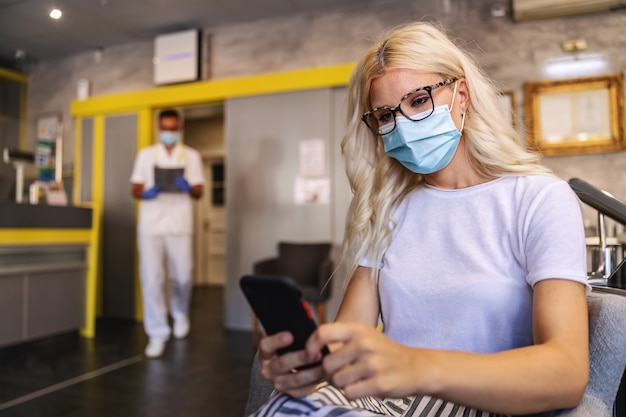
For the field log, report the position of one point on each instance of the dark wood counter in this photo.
(38, 216)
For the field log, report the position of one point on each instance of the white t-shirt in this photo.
(168, 213)
(459, 272)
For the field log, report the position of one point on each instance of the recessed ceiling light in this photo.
(56, 13)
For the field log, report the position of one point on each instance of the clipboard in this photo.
(164, 177)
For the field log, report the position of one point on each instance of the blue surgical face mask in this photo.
(169, 138)
(426, 146)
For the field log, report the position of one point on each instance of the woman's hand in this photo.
(281, 369)
(367, 362)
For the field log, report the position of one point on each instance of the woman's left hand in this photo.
(367, 362)
(279, 369)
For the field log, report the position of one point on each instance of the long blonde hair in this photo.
(379, 182)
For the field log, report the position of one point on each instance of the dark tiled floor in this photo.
(69, 376)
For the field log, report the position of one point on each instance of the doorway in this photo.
(211, 229)
(204, 131)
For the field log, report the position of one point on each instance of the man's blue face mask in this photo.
(169, 138)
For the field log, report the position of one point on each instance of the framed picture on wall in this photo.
(583, 115)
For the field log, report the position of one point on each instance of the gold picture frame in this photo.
(583, 115)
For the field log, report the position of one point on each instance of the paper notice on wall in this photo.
(312, 158)
(312, 190)
(47, 127)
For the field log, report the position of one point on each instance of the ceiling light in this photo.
(56, 13)
(584, 65)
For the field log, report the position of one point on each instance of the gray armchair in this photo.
(607, 355)
(607, 351)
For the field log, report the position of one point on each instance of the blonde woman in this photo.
(470, 252)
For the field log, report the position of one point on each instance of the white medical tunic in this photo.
(169, 213)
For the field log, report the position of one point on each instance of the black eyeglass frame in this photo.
(394, 110)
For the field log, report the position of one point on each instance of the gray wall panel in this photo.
(341, 196)
(10, 105)
(263, 163)
(56, 302)
(11, 308)
(118, 227)
(86, 160)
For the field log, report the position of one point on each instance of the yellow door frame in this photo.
(143, 103)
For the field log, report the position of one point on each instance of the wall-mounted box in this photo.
(177, 57)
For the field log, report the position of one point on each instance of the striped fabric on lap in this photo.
(282, 405)
(329, 401)
(326, 394)
(425, 406)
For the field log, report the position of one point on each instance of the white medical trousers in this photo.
(158, 254)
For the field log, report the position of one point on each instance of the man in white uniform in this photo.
(166, 177)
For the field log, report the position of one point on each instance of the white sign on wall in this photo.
(312, 186)
(176, 57)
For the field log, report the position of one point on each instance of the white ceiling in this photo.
(89, 24)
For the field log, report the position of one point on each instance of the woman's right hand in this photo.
(281, 369)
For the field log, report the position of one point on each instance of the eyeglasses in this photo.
(416, 105)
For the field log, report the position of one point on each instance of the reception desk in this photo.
(46, 271)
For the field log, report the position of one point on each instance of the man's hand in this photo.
(182, 184)
(151, 193)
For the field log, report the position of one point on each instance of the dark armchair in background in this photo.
(308, 264)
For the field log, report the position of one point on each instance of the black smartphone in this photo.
(277, 302)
